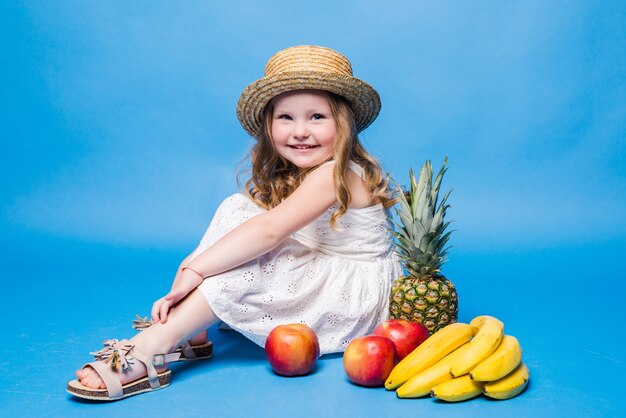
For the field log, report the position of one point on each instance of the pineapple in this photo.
(423, 294)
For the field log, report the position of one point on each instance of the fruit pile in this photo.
(460, 362)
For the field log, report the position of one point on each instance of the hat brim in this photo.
(364, 100)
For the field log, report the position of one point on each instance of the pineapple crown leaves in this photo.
(421, 233)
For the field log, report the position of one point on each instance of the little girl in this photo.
(307, 241)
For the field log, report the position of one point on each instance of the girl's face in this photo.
(303, 127)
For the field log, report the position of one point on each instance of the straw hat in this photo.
(307, 67)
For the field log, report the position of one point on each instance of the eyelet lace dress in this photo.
(336, 282)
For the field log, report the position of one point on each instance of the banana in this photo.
(510, 385)
(503, 361)
(488, 333)
(457, 389)
(437, 346)
(424, 381)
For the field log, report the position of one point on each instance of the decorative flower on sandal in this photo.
(115, 353)
(140, 323)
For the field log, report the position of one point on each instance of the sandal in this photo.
(122, 355)
(187, 351)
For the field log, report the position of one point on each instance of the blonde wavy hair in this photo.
(273, 178)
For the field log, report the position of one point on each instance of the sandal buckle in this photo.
(158, 360)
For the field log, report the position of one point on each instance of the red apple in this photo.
(368, 361)
(406, 335)
(292, 349)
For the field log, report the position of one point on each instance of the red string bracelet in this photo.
(189, 268)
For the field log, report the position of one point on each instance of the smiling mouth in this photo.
(303, 147)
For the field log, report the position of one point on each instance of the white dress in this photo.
(336, 282)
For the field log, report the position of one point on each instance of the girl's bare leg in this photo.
(192, 316)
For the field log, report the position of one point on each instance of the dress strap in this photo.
(351, 165)
(356, 168)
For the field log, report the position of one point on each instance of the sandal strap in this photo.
(187, 350)
(153, 376)
(109, 377)
(154, 360)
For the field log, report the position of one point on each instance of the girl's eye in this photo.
(317, 116)
(284, 117)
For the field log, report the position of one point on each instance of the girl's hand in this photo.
(160, 305)
(185, 283)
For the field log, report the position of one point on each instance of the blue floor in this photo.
(62, 298)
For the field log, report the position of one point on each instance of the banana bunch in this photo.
(460, 362)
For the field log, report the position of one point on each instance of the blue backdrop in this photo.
(119, 139)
